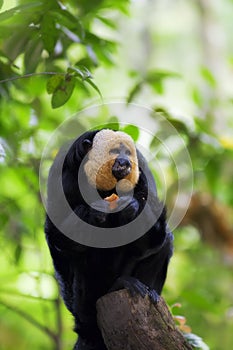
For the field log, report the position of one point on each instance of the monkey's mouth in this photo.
(121, 171)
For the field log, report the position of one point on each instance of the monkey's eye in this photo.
(127, 152)
(115, 151)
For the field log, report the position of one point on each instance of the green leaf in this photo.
(108, 22)
(49, 32)
(197, 97)
(86, 73)
(157, 75)
(162, 111)
(100, 48)
(18, 252)
(135, 90)
(132, 130)
(81, 72)
(32, 55)
(9, 13)
(155, 143)
(15, 45)
(208, 76)
(86, 62)
(63, 92)
(1, 3)
(112, 123)
(77, 72)
(179, 126)
(69, 21)
(155, 79)
(90, 82)
(157, 86)
(212, 172)
(54, 82)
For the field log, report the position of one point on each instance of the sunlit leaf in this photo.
(226, 142)
(208, 76)
(112, 123)
(155, 79)
(13, 185)
(197, 96)
(135, 90)
(9, 13)
(156, 75)
(133, 131)
(108, 22)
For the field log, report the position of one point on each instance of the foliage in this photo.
(55, 39)
(56, 58)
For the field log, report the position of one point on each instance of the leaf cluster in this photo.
(37, 37)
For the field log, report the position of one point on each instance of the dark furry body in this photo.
(85, 273)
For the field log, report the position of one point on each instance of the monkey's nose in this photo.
(121, 168)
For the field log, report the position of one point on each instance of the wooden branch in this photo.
(134, 323)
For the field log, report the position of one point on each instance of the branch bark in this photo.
(134, 323)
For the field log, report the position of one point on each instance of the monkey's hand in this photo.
(127, 207)
(134, 286)
(99, 211)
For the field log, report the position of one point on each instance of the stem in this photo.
(58, 340)
(28, 296)
(30, 319)
(29, 75)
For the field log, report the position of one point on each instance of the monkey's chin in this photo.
(124, 185)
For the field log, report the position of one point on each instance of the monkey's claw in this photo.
(134, 286)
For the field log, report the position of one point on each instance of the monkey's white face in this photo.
(112, 161)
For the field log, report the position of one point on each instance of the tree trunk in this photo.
(134, 323)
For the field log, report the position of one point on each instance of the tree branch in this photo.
(135, 323)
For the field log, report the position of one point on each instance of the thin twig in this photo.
(28, 296)
(30, 319)
(29, 75)
(59, 323)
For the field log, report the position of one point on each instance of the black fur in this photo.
(86, 273)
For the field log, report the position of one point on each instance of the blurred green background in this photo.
(174, 57)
